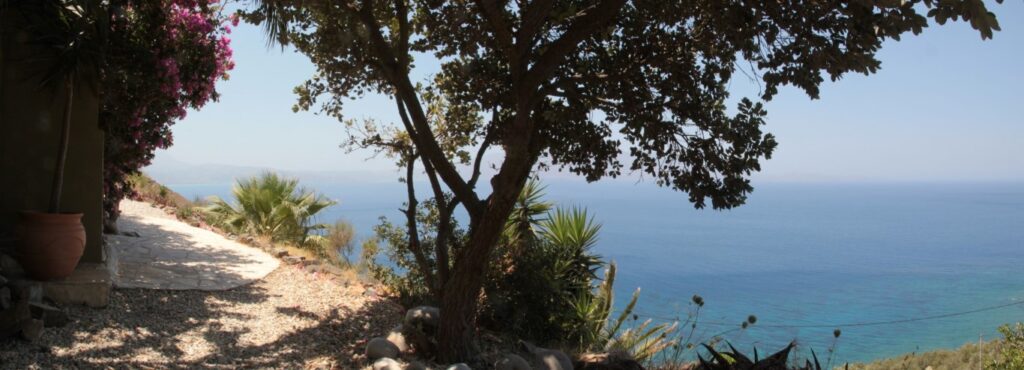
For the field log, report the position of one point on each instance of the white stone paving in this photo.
(170, 254)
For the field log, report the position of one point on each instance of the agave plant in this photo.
(734, 360)
(273, 207)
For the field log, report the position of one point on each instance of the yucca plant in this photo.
(569, 236)
(526, 217)
(596, 331)
(273, 207)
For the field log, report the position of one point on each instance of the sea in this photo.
(894, 267)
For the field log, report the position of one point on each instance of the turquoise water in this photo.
(796, 256)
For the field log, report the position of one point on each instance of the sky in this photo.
(943, 108)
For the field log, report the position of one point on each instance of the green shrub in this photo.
(339, 242)
(272, 207)
(404, 276)
(1011, 349)
(544, 288)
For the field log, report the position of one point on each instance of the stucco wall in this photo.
(30, 124)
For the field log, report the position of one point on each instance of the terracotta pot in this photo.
(50, 244)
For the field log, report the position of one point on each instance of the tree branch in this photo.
(488, 137)
(444, 224)
(414, 240)
(585, 23)
(423, 136)
(533, 18)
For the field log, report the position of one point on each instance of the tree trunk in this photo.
(457, 331)
(62, 150)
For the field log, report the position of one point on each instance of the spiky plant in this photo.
(595, 330)
(569, 236)
(529, 212)
(273, 207)
(734, 360)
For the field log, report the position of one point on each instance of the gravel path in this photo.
(290, 319)
(170, 254)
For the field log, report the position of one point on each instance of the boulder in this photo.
(608, 361)
(27, 289)
(511, 361)
(423, 316)
(548, 359)
(386, 364)
(396, 337)
(415, 365)
(370, 292)
(418, 340)
(51, 316)
(458, 366)
(5, 298)
(10, 266)
(32, 329)
(380, 348)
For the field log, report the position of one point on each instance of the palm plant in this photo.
(273, 207)
(70, 36)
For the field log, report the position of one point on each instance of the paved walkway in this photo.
(170, 254)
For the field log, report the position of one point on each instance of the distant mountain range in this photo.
(171, 172)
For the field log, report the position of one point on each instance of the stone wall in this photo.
(30, 124)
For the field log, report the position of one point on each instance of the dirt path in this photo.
(290, 319)
(170, 254)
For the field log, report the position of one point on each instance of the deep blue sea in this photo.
(795, 255)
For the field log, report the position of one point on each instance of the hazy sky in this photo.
(944, 107)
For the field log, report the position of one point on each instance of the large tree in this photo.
(593, 87)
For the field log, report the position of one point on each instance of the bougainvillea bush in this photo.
(163, 57)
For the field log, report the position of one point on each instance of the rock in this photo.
(5, 298)
(396, 337)
(458, 366)
(27, 289)
(423, 316)
(281, 253)
(511, 361)
(292, 260)
(32, 330)
(12, 318)
(386, 364)
(548, 359)
(419, 341)
(608, 361)
(134, 234)
(415, 365)
(51, 316)
(370, 292)
(379, 348)
(10, 266)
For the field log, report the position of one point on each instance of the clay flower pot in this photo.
(50, 244)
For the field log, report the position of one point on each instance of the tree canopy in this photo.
(598, 88)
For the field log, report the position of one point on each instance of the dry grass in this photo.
(971, 356)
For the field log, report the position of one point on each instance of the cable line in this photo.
(855, 324)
